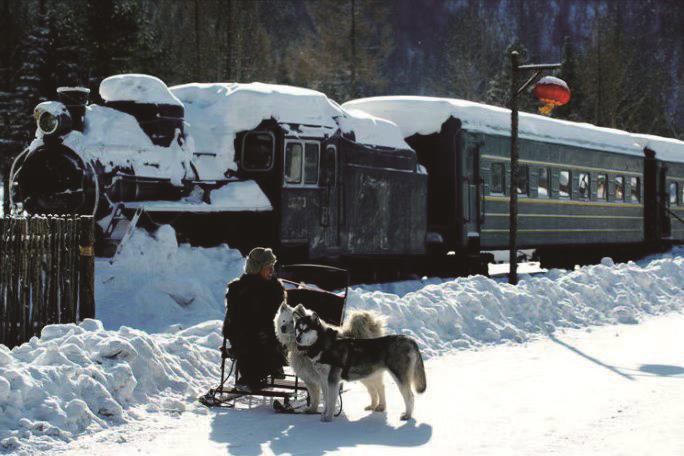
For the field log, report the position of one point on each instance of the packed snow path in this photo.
(614, 390)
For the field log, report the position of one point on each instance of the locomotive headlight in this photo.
(47, 123)
(52, 118)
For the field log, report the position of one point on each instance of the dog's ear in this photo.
(283, 305)
(300, 309)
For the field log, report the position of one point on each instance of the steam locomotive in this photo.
(386, 186)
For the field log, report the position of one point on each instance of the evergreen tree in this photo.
(33, 82)
(467, 55)
(119, 40)
(569, 74)
(499, 90)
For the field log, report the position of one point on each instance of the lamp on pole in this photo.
(516, 71)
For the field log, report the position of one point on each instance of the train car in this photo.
(582, 188)
(384, 186)
(665, 177)
(245, 164)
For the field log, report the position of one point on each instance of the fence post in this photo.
(24, 280)
(3, 270)
(87, 268)
(5, 185)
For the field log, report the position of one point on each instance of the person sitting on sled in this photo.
(251, 303)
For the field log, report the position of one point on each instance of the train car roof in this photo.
(425, 115)
(217, 111)
(667, 149)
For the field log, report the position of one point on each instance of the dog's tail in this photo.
(364, 324)
(419, 381)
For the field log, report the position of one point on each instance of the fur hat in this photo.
(258, 258)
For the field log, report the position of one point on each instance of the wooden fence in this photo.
(46, 274)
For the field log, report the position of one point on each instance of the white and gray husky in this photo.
(350, 358)
(360, 324)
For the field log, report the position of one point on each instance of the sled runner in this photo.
(320, 288)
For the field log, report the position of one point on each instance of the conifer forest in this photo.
(623, 59)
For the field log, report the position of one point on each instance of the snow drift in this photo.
(80, 378)
(470, 311)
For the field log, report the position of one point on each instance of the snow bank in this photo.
(470, 311)
(154, 283)
(82, 378)
(425, 115)
(140, 88)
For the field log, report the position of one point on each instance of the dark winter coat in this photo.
(251, 305)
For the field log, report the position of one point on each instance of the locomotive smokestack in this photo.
(75, 99)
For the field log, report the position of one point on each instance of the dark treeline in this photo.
(624, 60)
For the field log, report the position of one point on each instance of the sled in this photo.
(320, 288)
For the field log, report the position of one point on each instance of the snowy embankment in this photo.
(469, 311)
(79, 379)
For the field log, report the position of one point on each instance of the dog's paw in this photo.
(405, 417)
(370, 407)
(379, 408)
(326, 419)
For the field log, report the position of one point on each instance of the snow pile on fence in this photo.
(470, 311)
(154, 283)
(82, 378)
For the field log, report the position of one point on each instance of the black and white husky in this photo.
(341, 358)
(359, 324)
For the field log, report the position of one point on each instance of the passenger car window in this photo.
(673, 193)
(635, 189)
(619, 188)
(293, 163)
(311, 156)
(543, 185)
(257, 151)
(601, 186)
(523, 180)
(498, 181)
(564, 184)
(584, 189)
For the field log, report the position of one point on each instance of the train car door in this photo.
(300, 196)
(330, 197)
(665, 203)
(472, 197)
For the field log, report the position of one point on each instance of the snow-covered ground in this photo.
(614, 390)
(160, 306)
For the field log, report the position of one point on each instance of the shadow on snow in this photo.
(245, 431)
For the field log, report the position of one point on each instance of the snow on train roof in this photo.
(217, 111)
(667, 149)
(141, 88)
(425, 115)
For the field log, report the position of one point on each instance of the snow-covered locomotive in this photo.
(245, 164)
(383, 185)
